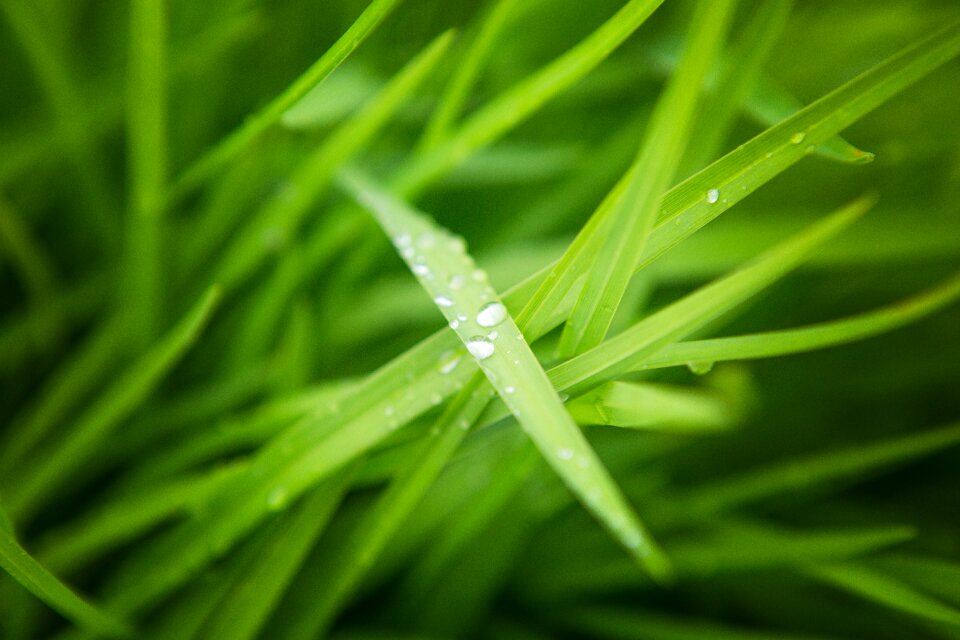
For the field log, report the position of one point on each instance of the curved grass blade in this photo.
(819, 336)
(811, 472)
(482, 323)
(254, 125)
(147, 167)
(654, 407)
(626, 230)
(44, 585)
(525, 98)
(739, 72)
(27, 257)
(281, 218)
(886, 591)
(770, 104)
(465, 75)
(246, 607)
(36, 482)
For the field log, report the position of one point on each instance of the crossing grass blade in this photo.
(887, 591)
(26, 256)
(256, 124)
(45, 586)
(37, 482)
(626, 231)
(481, 321)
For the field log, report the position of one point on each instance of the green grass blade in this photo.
(254, 125)
(465, 75)
(27, 257)
(483, 324)
(819, 336)
(246, 607)
(38, 481)
(44, 585)
(935, 576)
(626, 230)
(654, 407)
(886, 591)
(770, 104)
(147, 167)
(281, 217)
(525, 98)
(813, 471)
(739, 72)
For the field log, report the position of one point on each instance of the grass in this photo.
(486, 319)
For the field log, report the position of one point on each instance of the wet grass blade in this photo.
(628, 226)
(254, 125)
(483, 324)
(44, 585)
(38, 481)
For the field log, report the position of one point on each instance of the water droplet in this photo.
(457, 245)
(436, 398)
(426, 240)
(388, 410)
(464, 424)
(277, 499)
(811, 148)
(493, 335)
(456, 282)
(491, 314)
(479, 275)
(449, 362)
(421, 270)
(798, 137)
(700, 368)
(565, 454)
(713, 195)
(407, 252)
(462, 317)
(443, 301)
(509, 389)
(454, 324)
(402, 240)
(480, 347)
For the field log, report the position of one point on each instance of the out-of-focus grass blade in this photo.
(43, 584)
(936, 576)
(770, 104)
(483, 324)
(27, 258)
(626, 229)
(525, 98)
(631, 624)
(808, 473)
(739, 72)
(147, 167)
(129, 515)
(244, 609)
(886, 591)
(38, 480)
(279, 220)
(819, 336)
(465, 75)
(257, 123)
(654, 407)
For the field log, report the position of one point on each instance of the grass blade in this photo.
(29, 260)
(886, 591)
(629, 224)
(43, 584)
(254, 125)
(493, 339)
(38, 481)
(147, 166)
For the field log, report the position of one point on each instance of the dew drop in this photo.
(479, 276)
(454, 324)
(436, 398)
(388, 410)
(493, 335)
(491, 314)
(426, 240)
(798, 137)
(510, 389)
(713, 195)
(700, 368)
(421, 270)
(402, 240)
(565, 454)
(449, 362)
(456, 282)
(443, 301)
(480, 347)
(457, 245)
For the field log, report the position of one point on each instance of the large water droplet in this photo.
(480, 347)
(713, 195)
(491, 314)
(443, 301)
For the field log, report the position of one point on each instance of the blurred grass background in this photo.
(327, 301)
